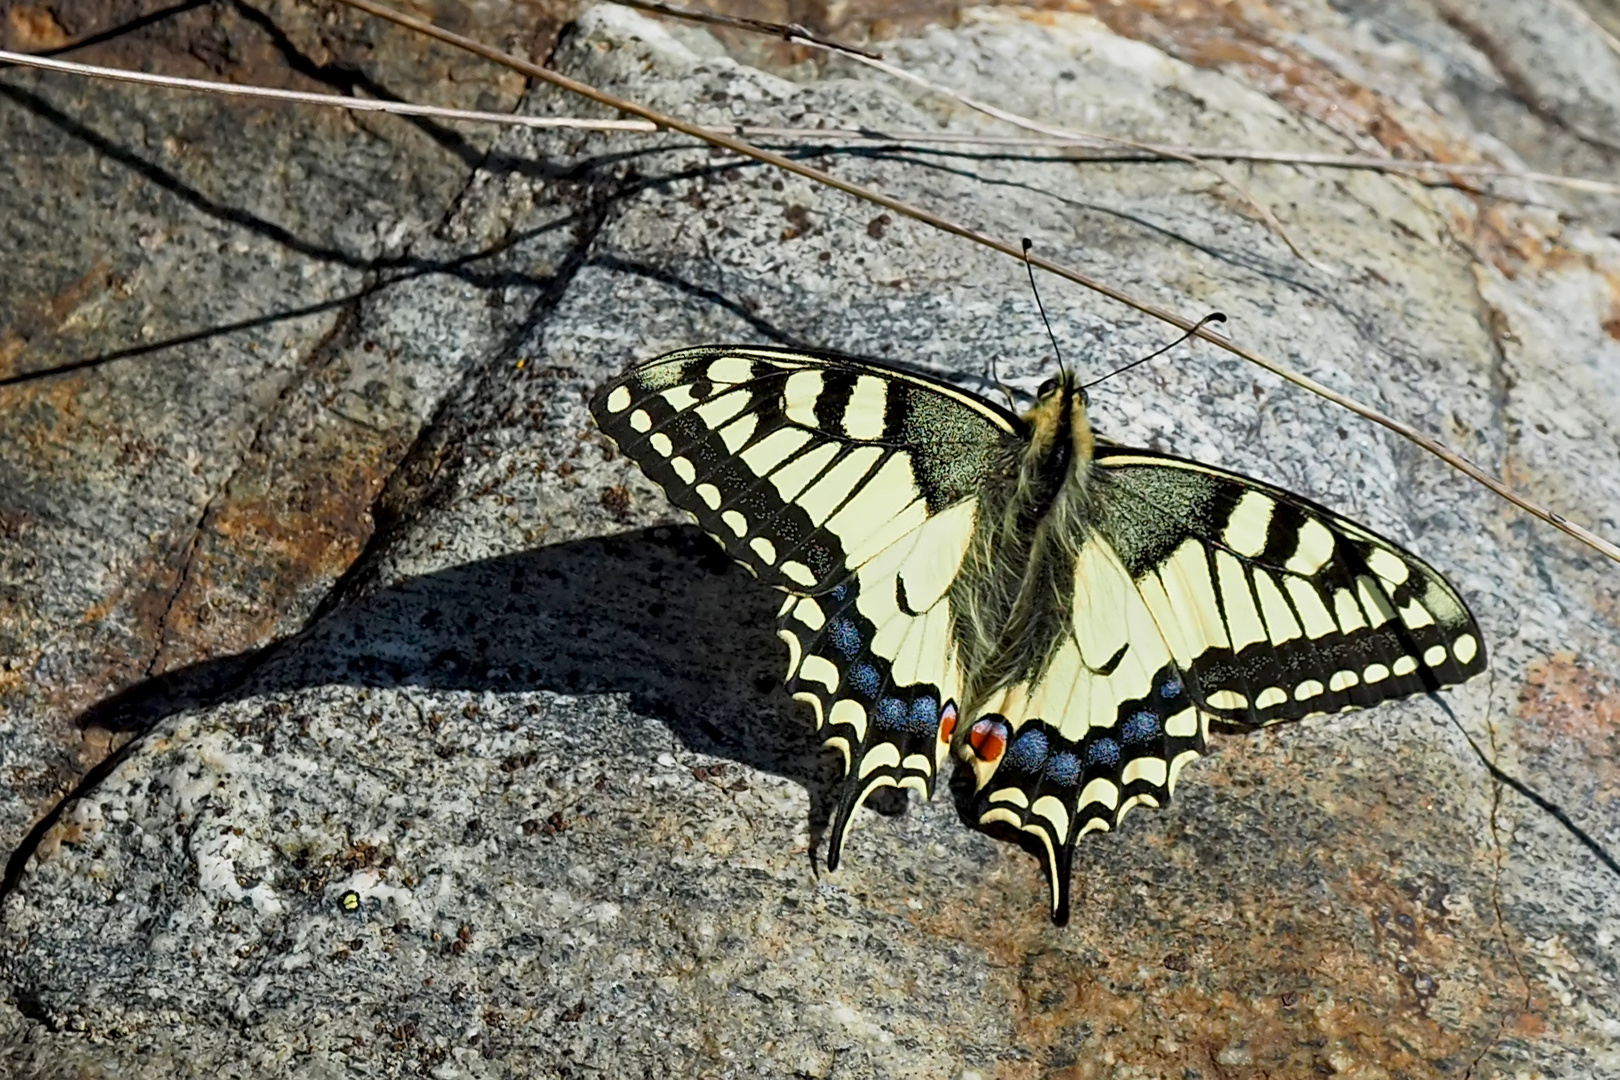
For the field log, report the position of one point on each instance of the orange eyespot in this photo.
(988, 738)
(947, 722)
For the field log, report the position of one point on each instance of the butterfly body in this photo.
(1063, 615)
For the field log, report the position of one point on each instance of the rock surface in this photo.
(508, 786)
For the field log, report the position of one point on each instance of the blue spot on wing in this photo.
(924, 714)
(1103, 752)
(1064, 769)
(845, 637)
(1140, 728)
(892, 714)
(864, 679)
(1028, 752)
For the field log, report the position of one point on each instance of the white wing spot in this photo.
(660, 442)
(1465, 648)
(1149, 768)
(1373, 601)
(1405, 665)
(1434, 655)
(1416, 616)
(680, 397)
(730, 369)
(1242, 619)
(1374, 673)
(853, 713)
(683, 469)
(1312, 550)
(1101, 791)
(1249, 526)
(1308, 689)
(1178, 763)
(619, 400)
(791, 478)
(795, 653)
(1183, 725)
(799, 573)
(709, 494)
(1227, 699)
(1312, 611)
(764, 549)
(1281, 625)
(718, 410)
(1389, 566)
(1343, 680)
(1271, 695)
(800, 395)
(819, 669)
(641, 420)
(773, 449)
(808, 612)
(736, 521)
(884, 754)
(1053, 810)
(739, 431)
(1348, 612)
(863, 416)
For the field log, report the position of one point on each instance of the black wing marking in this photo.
(1275, 607)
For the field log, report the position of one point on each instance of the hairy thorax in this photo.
(1013, 597)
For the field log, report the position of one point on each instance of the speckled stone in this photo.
(524, 796)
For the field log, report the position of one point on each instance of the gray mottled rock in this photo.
(524, 796)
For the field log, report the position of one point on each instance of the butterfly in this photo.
(1064, 616)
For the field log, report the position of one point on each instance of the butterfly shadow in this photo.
(659, 614)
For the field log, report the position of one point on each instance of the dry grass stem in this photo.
(1028, 124)
(1080, 148)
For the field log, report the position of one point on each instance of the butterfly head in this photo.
(1058, 426)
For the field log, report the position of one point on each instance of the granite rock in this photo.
(509, 786)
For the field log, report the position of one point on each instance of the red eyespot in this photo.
(947, 722)
(988, 738)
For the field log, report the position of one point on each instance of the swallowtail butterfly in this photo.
(1064, 615)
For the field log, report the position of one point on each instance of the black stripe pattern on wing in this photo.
(790, 460)
(889, 733)
(1060, 789)
(1278, 608)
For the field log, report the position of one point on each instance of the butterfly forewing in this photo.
(802, 466)
(1277, 608)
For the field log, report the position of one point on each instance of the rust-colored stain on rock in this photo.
(1337, 958)
(1567, 709)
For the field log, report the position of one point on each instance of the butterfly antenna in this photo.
(1006, 391)
(1214, 316)
(1042, 308)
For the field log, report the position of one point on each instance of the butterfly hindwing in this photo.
(1275, 607)
(875, 659)
(1107, 726)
